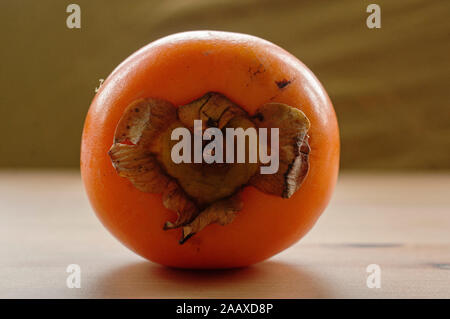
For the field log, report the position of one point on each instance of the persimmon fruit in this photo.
(209, 215)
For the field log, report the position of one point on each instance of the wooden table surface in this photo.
(400, 222)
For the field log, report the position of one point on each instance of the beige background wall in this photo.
(390, 86)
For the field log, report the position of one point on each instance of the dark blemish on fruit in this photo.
(283, 83)
(136, 110)
(259, 70)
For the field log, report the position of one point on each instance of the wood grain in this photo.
(400, 222)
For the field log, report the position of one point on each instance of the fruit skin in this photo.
(180, 68)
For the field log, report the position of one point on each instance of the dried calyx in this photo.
(206, 193)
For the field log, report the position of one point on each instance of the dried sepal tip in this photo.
(293, 149)
(221, 212)
(175, 199)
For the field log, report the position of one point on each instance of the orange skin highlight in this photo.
(181, 68)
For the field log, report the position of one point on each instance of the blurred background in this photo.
(389, 86)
